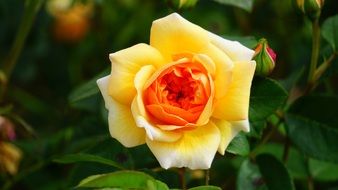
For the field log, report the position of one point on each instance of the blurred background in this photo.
(52, 109)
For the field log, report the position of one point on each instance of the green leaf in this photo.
(87, 89)
(330, 31)
(323, 171)
(266, 97)
(296, 163)
(123, 179)
(243, 4)
(249, 177)
(312, 125)
(256, 128)
(274, 173)
(73, 158)
(239, 145)
(206, 188)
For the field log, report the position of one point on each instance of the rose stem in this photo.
(207, 177)
(181, 172)
(315, 50)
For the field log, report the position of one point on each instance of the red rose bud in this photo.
(265, 58)
(310, 8)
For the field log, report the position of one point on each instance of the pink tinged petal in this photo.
(228, 131)
(173, 34)
(235, 50)
(195, 149)
(234, 106)
(125, 64)
(121, 122)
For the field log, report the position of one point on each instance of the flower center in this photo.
(179, 94)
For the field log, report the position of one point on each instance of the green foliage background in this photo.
(61, 122)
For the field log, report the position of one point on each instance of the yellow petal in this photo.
(235, 50)
(195, 150)
(125, 64)
(224, 66)
(139, 113)
(228, 131)
(173, 35)
(121, 122)
(207, 112)
(234, 106)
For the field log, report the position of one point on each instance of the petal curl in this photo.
(173, 34)
(125, 64)
(139, 113)
(228, 131)
(195, 149)
(121, 122)
(235, 50)
(234, 106)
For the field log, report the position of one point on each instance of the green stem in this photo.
(286, 150)
(315, 50)
(271, 130)
(181, 172)
(310, 182)
(207, 177)
(31, 8)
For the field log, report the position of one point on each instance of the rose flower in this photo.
(186, 95)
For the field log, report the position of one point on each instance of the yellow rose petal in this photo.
(224, 66)
(121, 122)
(228, 131)
(174, 35)
(234, 105)
(235, 50)
(195, 149)
(125, 64)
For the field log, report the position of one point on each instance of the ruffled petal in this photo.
(139, 113)
(234, 106)
(125, 64)
(229, 130)
(195, 149)
(121, 122)
(235, 50)
(173, 34)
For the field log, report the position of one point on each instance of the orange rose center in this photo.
(179, 94)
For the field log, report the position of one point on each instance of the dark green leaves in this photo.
(266, 97)
(87, 89)
(330, 31)
(73, 158)
(243, 4)
(123, 179)
(313, 126)
(239, 145)
(249, 177)
(274, 173)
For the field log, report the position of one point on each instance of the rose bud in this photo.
(265, 58)
(310, 8)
